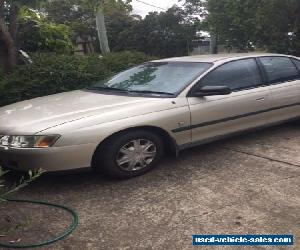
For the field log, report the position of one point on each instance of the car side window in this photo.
(279, 69)
(297, 62)
(236, 75)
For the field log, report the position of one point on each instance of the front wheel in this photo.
(129, 154)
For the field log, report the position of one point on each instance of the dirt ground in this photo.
(243, 185)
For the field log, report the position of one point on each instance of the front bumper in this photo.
(48, 159)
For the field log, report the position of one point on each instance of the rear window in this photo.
(279, 69)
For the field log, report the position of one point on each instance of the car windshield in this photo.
(155, 77)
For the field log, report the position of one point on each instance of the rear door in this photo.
(216, 116)
(283, 77)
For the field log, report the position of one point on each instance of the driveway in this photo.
(243, 185)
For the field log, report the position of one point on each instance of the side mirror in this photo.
(211, 91)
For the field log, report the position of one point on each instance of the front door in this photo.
(216, 116)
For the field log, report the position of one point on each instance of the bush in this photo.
(53, 73)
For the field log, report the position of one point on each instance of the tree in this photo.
(233, 22)
(100, 8)
(38, 34)
(22, 26)
(75, 14)
(86, 17)
(8, 50)
(278, 26)
(272, 25)
(160, 34)
(72, 13)
(164, 34)
(119, 28)
(111, 8)
(9, 11)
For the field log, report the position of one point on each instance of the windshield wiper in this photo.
(150, 92)
(130, 91)
(107, 88)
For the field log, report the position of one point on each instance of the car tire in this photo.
(129, 154)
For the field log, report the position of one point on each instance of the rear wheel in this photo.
(129, 154)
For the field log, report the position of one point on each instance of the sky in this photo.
(143, 9)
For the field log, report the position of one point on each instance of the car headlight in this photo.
(28, 141)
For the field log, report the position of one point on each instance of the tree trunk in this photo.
(7, 48)
(13, 23)
(101, 28)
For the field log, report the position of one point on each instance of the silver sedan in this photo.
(122, 126)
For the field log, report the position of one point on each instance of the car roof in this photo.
(216, 57)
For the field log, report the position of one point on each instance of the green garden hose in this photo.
(70, 229)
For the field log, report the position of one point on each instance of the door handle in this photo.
(260, 99)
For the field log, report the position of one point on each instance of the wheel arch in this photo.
(170, 144)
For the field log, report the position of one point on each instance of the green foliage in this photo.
(278, 26)
(54, 73)
(164, 34)
(6, 190)
(234, 22)
(272, 25)
(107, 5)
(79, 15)
(36, 34)
(73, 13)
